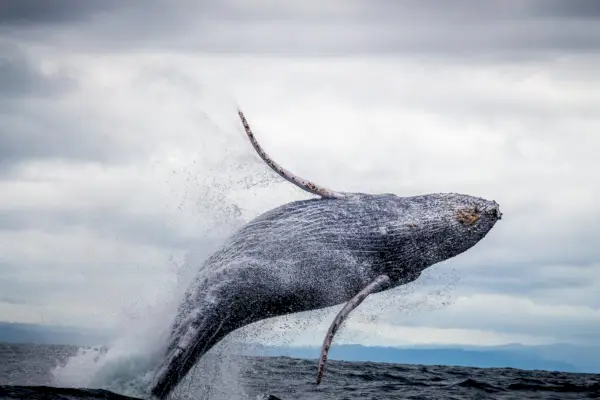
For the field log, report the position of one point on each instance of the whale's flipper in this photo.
(285, 174)
(379, 283)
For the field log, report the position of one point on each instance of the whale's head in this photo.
(405, 235)
(431, 228)
(420, 230)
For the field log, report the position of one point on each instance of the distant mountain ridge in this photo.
(559, 357)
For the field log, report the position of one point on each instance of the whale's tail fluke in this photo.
(285, 174)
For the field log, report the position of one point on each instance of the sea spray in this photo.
(204, 198)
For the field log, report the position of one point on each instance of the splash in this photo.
(204, 195)
(127, 364)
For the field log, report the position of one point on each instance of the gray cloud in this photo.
(31, 12)
(587, 9)
(71, 11)
(514, 29)
(142, 229)
(19, 291)
(34, 121)
(20, 76)
(40, 132)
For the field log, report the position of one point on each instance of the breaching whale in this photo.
(317, 253)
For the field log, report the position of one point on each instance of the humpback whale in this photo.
(305, 255)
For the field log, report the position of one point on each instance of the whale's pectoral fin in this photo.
(380, 282)
(303, 184)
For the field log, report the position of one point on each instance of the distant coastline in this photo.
(565, 358)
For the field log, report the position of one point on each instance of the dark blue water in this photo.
(25, 370)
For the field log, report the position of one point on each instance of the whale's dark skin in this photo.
(312, 254)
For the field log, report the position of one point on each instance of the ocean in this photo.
(26, 370)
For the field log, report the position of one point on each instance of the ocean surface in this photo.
(24, 369)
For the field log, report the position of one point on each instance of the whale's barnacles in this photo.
(379, 283)
(285, 174)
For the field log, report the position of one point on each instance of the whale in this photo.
(335, 248)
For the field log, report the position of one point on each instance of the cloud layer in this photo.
(120, 151)
(515, 28)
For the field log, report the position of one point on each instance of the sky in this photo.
(121, 155)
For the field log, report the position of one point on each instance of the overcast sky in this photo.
(121, 152)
